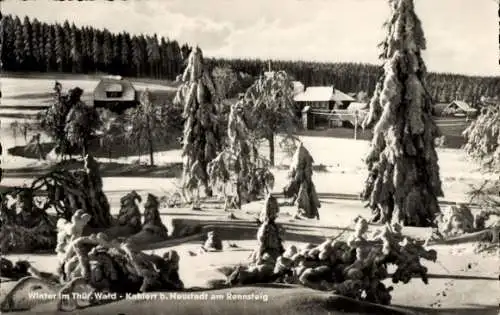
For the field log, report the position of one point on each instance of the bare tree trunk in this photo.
(271, 149)
(355, 126)
(150, 145)
(85, 149)
(151, 153)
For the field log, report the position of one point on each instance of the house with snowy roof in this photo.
(324, 98)
(115, 93)
(455, 108)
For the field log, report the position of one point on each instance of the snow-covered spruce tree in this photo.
(483, 138)
(53, 120)
(403, 182)
(82, 123)
(240, 165)
(200, 144)
(483, 145)
(1, 170)
(300, 186)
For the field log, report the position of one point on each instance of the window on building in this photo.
(110, 94)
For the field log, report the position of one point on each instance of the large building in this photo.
(115, 93)
(323, 97)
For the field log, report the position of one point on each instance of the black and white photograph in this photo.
(318, 157)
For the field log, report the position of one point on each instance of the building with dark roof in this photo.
(115, 93)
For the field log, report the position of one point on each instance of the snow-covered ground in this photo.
(461, 283)
(343, 160)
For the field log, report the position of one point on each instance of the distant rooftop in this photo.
(322, 94)
(113, 77)
(464, 106)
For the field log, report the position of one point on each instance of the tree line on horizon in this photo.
(29, 45)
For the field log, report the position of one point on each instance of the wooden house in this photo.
(116, 94)
(454, 109)
(323, 98)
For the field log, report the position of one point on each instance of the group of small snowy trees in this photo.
(73, 125)
(231, 164)
(403, 183)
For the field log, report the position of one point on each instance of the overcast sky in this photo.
(462, 35)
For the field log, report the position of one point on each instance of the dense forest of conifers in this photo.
(34, 46)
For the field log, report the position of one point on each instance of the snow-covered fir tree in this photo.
(403, 182)
(240, 166)
(300, 186)
(200, 144)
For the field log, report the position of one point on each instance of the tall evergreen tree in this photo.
(107, 50)
(27, 38)
(164, 56)
(403, 183)
(200, 145)
(143, 47)
(155, 57)
(68, 59)
(76, 50)
(37, 45)
(149, 54)
(59, 48)
(19, 44)
(97, 50)
(8, 43)
(137, 55)
(125, 51)
(49, 48)
(88, 49)
(116, 41)
(175, 58)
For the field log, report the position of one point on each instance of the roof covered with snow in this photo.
(322, 94)
(114, 84)
(463, 106)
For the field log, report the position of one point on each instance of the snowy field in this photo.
(13, 89)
